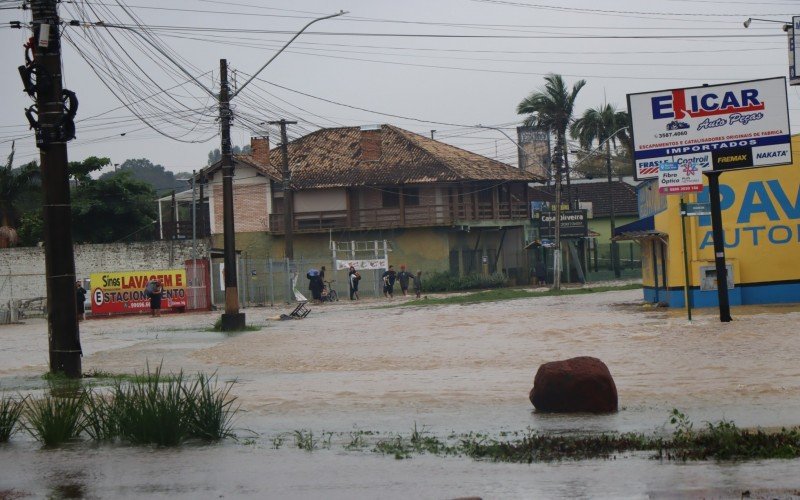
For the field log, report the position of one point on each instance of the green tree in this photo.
(80, 170)
(15, 185)
(115, 208)
(157, 176)
(552, 107)
(214, 155)
(604, 124)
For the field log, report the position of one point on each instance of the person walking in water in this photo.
(389, 276)
(403, 277)
(353, 277)
(156, 290)
(80, 299)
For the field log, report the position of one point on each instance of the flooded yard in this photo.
(446, 369)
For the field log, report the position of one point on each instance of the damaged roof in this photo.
(332, 157)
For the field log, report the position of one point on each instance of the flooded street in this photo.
(446, 369)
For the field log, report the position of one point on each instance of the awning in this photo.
(641, 229)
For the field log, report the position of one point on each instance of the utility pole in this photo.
(433, 131)
(558, 157)
(614, 247)
(288, 207)
(232, 319)
(55, 108)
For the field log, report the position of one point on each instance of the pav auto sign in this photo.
(735, 125)
(123, 292)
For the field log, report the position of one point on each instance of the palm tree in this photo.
(551, 108)
(601, 124)
(14, 185)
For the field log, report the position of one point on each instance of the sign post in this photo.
(713, 128)
(686, 276)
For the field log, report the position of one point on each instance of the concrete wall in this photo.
(22, 269)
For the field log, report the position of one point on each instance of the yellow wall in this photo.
(761, 209)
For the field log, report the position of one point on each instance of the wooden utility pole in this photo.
(232, 319)
(558, 157)
(54, 128)
(288, 208)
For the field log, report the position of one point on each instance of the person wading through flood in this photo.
(80, 298)
(388, 282)
(403, 277)
(353, 277)
(155, 290)
(315, 284)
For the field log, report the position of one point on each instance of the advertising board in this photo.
(677, 178)
(728, 126)
(574, 224)
(534, 150)
(123, 292)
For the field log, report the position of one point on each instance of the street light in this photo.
(786, 26)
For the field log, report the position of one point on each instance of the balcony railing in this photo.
(411, 216)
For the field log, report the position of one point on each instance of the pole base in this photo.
(233, 322)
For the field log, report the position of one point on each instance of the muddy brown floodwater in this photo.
(359, 366)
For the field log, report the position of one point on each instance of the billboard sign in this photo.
(534, 150)
(733, 125)
(794, 57)
(123, 292)
(679, 177)
(574, 224)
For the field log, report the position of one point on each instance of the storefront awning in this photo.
(641, 229)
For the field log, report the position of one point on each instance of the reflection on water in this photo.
(447, 368)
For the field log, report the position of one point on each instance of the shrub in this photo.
(10, 411)
(445, 282)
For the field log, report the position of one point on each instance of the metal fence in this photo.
(267, 282)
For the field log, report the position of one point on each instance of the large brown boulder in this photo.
(581, 384)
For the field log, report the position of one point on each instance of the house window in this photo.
(411, 196)
(391, 198)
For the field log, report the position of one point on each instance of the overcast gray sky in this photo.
(443, 64)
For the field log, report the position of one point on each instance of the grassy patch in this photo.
(148, 408)
(218, 328)
(715, 441)
(503, 294)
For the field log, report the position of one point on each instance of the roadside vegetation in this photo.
(714, 441)
(503, 294)
(145, 409)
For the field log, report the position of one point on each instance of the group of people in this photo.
(316, 283)
(390, 276)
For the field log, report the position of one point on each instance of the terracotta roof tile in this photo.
(333, 158)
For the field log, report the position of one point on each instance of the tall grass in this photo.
(153, 411)
(55, 420)
(166, 411)
(101, 419)
(10, 411)
(212, 409)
